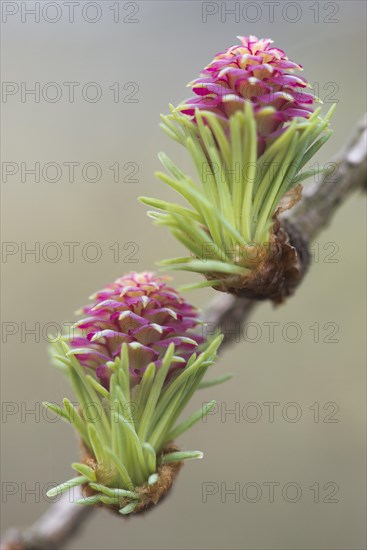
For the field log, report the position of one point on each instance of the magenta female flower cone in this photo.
(134, 363)
(257, 72)
(250, 130)
(141, 310)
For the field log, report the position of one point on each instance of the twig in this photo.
(53, 529)
(348, 173)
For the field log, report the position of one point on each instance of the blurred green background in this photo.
(160, 52)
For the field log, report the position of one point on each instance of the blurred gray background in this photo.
(317, 358)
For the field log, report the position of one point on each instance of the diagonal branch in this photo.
(347, 174)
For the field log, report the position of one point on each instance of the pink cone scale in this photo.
(143, 311)
(253, 71)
